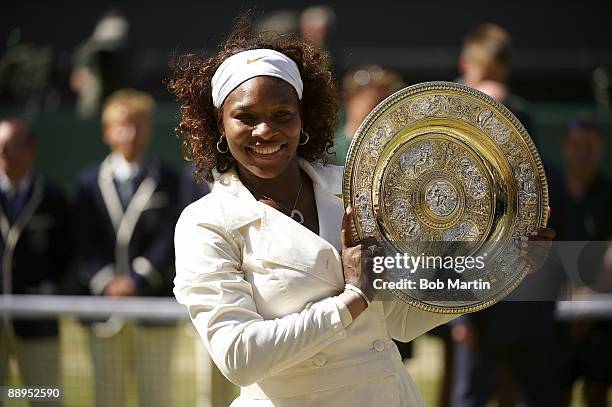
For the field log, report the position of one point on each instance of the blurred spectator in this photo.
(101, 63)
(505, 350)
(316, 23)
(126, 211)
(364, 88)
(26, 75)
(583, 202)
(35, 247)
(484, 64)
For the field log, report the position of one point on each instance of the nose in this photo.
(264, 130)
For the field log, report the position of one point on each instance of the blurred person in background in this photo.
(126, 210)
(36, 249)
(583, 201)
(505, 351)
(101, 63)
(484, 64)
(316, 23)
(315, 26)
(364, 88)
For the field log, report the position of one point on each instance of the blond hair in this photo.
(487, 44)
(127, 101)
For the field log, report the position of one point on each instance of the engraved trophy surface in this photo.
(440, 163)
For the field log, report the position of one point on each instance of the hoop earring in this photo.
(221, 139)
(301, 143)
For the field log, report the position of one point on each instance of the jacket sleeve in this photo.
(406, 322)
(244, 346)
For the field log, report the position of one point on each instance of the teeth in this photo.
(266, 149)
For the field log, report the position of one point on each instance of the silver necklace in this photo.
(293, 213)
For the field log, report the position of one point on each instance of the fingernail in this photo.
(524, 238)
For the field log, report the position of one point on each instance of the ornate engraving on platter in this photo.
(474, 181)
(465, 232)
(380, 136)
(526, 183)
(498, 130)
(416, 160)
(429, 106)
(441, 198)
(364, 210)
(461, 109)
(404, 220)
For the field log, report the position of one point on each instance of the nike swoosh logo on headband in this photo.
(250, 61)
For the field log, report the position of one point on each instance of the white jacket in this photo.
(262, 290)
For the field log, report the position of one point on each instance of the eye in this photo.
(246, 118)
(283, 113)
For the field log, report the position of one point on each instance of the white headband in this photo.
(249, 64)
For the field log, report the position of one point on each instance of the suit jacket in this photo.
(36, 251)
(135, 240)
(262, 290)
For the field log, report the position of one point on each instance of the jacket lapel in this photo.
(316, 255)
(124, 222)
(12, 233)
(109, 193)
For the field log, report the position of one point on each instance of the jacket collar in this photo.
(242, 208)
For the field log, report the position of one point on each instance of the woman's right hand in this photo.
(358, 258)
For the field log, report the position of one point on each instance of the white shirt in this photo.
(122, 169)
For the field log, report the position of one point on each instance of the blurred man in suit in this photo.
(36, 249)
(127, 207)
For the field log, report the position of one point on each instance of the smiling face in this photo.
(261, 120)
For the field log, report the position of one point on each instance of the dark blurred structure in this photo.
(558, 70)
(26, 76)
(420, 40)
(101, 63)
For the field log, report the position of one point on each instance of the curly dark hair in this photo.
(191, 84)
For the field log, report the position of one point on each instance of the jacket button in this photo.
(379, 345)
(319, 359)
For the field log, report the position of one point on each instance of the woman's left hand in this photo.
(535, 247)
